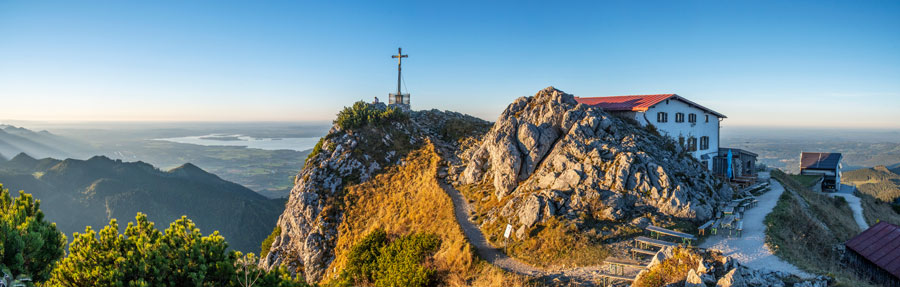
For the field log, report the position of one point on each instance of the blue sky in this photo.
(762, 63)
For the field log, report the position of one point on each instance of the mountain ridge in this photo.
(78, 193)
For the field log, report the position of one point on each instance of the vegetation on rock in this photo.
(362, 114)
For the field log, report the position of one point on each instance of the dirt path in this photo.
(855, 204)
(462, 209)
(750, 249)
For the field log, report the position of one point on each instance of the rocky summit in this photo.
(553, 156)
(546, 156)
(347, 156)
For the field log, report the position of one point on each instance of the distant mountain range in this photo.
(78, 193)
(15, 140)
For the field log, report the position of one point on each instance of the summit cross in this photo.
(399, 58)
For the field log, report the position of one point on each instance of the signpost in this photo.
(506, 235)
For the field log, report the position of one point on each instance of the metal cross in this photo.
(399, 58)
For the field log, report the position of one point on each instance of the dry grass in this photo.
(406, 199)
(807, 238)
(551, 243)
(875, 210)
(805, 180)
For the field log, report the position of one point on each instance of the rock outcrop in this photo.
(344, 157)
(729, 273)
(553, 156)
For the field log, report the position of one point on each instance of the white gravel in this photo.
(855, 205)
(751, 249)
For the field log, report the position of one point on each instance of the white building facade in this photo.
(694, 127)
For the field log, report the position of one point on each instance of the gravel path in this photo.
(750, 249)
(461, 209)
(855, 204)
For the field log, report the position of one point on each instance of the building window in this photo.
(692, 118)
(704, 143)
(681, 141)
(662, 117)
(692, 144)
(679, 117)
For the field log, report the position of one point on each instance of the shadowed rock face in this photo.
(553, 156)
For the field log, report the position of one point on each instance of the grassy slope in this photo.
(796, 233)
(877, 187)
(407, 199)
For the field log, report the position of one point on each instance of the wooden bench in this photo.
(617, 266)
(636, 250)
(685, 238)
(654, 242)
(606, 278)
(702, 228)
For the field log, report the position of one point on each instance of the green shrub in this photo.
(267, 244)
(29, 245)
(377, 261)
(362, 114)
(316, 149)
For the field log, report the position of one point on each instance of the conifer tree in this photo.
(29, 245)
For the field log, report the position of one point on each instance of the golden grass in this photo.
(551, 243)
(407, 198)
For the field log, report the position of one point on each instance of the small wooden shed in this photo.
(875, 253)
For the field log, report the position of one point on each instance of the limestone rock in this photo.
(531, 211)
(550, 142)
(731, 279)
(693, 280)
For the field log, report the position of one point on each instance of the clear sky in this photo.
(769, 63)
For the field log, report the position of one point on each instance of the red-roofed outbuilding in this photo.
(875, 253)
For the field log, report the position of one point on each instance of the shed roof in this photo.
(880, 244)
(638, 103)
(820, 160)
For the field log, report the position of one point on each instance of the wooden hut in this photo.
(875, 254)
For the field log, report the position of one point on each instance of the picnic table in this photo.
(728, 210)
(607, 279)
(685, 238)
(617, 266)
(653, 242)
(727, 221)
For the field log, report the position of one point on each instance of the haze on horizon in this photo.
(797, 64)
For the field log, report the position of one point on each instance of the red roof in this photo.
(637, 103)
(880, 244)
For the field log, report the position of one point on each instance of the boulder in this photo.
(530, 212)
(731, 279)
(693, 280)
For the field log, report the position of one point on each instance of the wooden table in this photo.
(685, 238)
